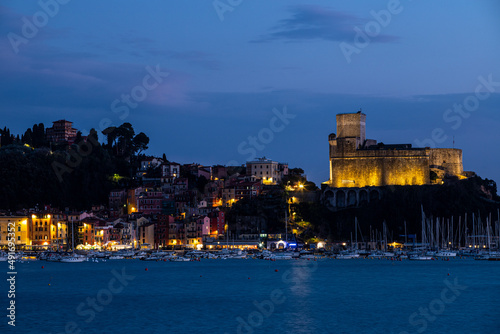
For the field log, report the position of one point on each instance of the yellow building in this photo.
(41, 229)
(17, 224)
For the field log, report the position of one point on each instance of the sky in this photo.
(227, 81)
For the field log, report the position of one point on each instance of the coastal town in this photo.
(174, 207)
(169, 206)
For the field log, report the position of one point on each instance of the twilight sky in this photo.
(226, 81)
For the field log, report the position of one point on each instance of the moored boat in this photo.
(73, 259)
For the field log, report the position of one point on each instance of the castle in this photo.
(357, 162)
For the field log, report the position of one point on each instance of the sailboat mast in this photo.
(356, 227)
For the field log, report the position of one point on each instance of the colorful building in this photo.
(17, 224)
(41, 229)
(217, 222)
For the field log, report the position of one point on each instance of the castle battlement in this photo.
(359, 162)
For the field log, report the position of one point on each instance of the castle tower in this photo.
(352, 126)
(351, 134)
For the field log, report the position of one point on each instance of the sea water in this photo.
(256, 296)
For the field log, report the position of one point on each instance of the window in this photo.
(19, 228)
(18, 237)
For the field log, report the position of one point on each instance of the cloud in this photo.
(131, 43)
(308, 22)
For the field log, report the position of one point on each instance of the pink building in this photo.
(150, 202)
(103, 235)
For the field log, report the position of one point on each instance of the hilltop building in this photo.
(270, 172)
(357, 162)
(61, 131)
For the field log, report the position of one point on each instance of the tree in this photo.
(78, 137)
(111, 135)
(93, 136)
(140, 143)
(125, 134)
(28, 137)
(39, 135)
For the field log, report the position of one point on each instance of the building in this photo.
(17, 224)
(132, 197)
(150, 201)
(270, 172)
(359, 162)
(176, 236)
(103, 235)
(41, 226)
(145, 233)
(162, 230)
(150, 162)
(118, 201)
(61, 131)
(86, 233)
(217, 222)
(247, 189)
(196, 227)
(170, 171)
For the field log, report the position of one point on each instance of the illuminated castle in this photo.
(359, 162)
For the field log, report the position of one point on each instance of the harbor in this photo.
(224, 296)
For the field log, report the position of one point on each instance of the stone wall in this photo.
(446, 160)
(375, 168)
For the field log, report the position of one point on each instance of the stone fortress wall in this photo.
(358, 162)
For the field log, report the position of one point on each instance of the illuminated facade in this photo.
(270, 172)
(359, 162)
(17, 224)
(41, 229)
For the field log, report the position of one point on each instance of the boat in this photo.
(139, 255)
(420, 257)
(238, 255)
(53, 257)
(347, 255)
(446, 254)
(180, 259)
(73, 259)
(152, 258)
(116, 257)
